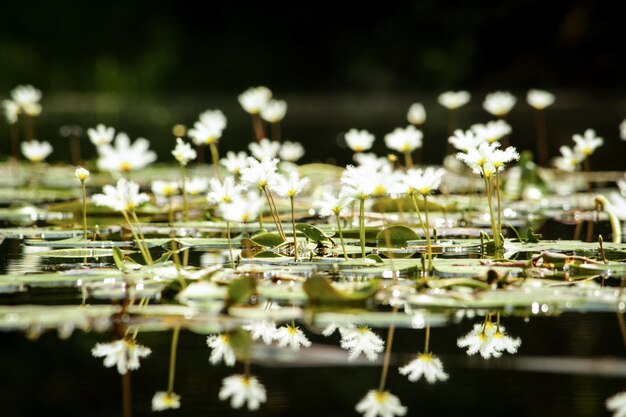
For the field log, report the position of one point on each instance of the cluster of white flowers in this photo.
(258, 100)
(209, 128)
(124, 354)
(165, 400)
(183, 152)
(25, 99)
(585, 145)
(480, 153)
(488, 339)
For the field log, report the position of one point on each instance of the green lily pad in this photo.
(320, 291)
(396, 236)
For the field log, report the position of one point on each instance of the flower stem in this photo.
(419, 216)
(408, 159)
(15, 141)
(270, 201)
(343, 243)
(215, 157)
(143, 239)
(136, 238)
(230, 246)
(542, 144)
(499, 197)
(362, 225)
(494, 230)
(429, 248)
(427, 337)
(183, 183)
(257, 125)
(276, 134)
(387, 357)
(84, 209)
(293, 224)
(172, 370)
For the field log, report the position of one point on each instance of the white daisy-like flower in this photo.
(478, 158)
(617, 404)
(243, 389)
(539, 99)
(454, 99)
(101, 135)
(254, 99)
(261, 329)
(499, 103)
(265, 149)
(242, 210)
(380, 403)
(465, 140)
(359, 140)
(165, 188)
(36, 151)
(196, 185)
(331, 204)
(27, 97)
(165, 400)
(223, 192)
(423, 181)
(125, 196)
(477, 337)
(291, 336)
(124, 354)
(183, 152)
(404, 139)
(274, 111)
(499, 343)
(364, 181)
(416, 114)
(588, 142)
(289, 186)
(570, 159)
(234, 162)
(492, 131)
(501, 157)
(489, 340)
(124, 156)
(221, 349)
(205, 134)
(81, 174)
(11, 111)
(361, 340)
(213, 118)
(259, 173)
(291, 151)
(372, 160)
(427, 365)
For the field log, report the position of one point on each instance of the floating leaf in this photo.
(396, 236)
(313, 233)
(320, 291)
(268, 239)
(242, 290)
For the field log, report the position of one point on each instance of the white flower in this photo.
(492, 131)
(291, 151)
(261, 329)
(274, 111)
(404, 139)
(477, 337)
(569, 159)
(488, 339)
(416, 114)
(82, 174)
(372, 160)
(617, 404)
(539, 99)
(27, 97)
(183, 152)
(165, 400)
(364, 181)
(165, 188)
(359, 140)
(259, 173)
(124, 354)
(291, 336)
(254, 99)
(242, 389)
(337, 205)
(479, 158)
(205, 134)
(265, 149)
(125, 196)
(380, 403)
(498, 343)
(101, 135)
(223, 192)
(196, 185)
(241, 209)
(234, 162)
(423, 181)
(213, 118)
(124, 156)
(289, 186)
(427, 365)
(500, 157)
(11, 111)
(587, 143)
(464, 141)
(453, 100)
(499, 103)
(361, 340)
(222, 350)
(36, 151)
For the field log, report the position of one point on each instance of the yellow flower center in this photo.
(379, 190)
(125, 166)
